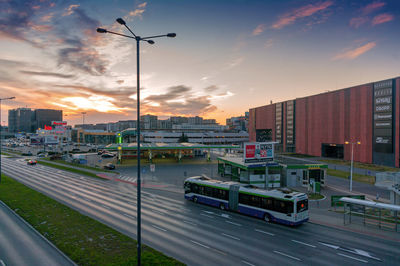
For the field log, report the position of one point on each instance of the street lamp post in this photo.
(1, 130)
(150, 41)
(352, 159)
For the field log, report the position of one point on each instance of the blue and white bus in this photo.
(278, 205)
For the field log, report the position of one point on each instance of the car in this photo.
(31, 162)
(107, 155)
(109, 166)
(27, 153)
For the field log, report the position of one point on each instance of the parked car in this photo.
(107, 155)
(109, 166)
(31, 162)
(27, 153)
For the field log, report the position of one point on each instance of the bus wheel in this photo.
(195, 199)
(222, 206)
(266, 218)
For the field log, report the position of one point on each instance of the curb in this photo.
(324, 198)
(39, 234)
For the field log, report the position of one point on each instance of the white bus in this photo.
(278, 205)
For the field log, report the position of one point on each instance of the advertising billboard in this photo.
(258, 152)
(36, 140)
(50, 139)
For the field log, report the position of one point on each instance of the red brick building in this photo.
(320, 125)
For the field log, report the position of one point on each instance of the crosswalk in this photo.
(127, 178)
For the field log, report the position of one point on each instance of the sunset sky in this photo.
(228, 56)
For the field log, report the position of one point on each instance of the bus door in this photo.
(305, 180)
(234, 197)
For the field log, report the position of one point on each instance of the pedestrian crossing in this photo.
(127, 178)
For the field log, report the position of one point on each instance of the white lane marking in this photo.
(2, 263)
(159, 228)
(350, 257)
(197, 243)
(158, 212)
(229, 222)
(233, 237)
(365, 254)
(209, 216)
(129, 216)
(104, 206)
(267, 233)
(303, 243)
(226, 216)
(286, 255)
(248, 263)
(208, 212)
(187, 222)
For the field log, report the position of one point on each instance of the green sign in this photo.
(335, 199)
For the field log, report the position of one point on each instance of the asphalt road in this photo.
(21, 245)
(200, 235)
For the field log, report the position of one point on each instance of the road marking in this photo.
(303, 243)
(159, 228)
(233, 237)
(2, 263)
(248, 263)
(158, 212)
(365, 254)
(104, 206)
(197, 243)
(267, 233)
(187, 222)
(347, 256)
(208, 212)
(129, 216)
(229, 222)
(209, 216)
(286, 255)
(226, 216)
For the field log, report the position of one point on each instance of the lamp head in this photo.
(346, 142)
(171, 35)
(101, 30)
(150, 41)
(358, 142)
(121, 21)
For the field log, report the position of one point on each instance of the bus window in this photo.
(187, 186)
(283, 206)
(302, 205)
(267, 203)
(195, 188)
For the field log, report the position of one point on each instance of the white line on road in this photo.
(229, 222)
(347, 256)
(2, 263)
(197, 243)
(159, 228)
(286, 255)
(233, 237)
(303, 243)
(267, 233)
(129, 216)
(187, 222)
(104, 206)
(209, 216)
(248, 263)
(208, 212)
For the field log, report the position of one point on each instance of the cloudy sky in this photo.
(228, 56)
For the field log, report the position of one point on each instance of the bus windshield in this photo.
(302, 205)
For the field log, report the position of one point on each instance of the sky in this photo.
(228, 55)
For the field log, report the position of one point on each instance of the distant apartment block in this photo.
(238, 123)
(29, 120)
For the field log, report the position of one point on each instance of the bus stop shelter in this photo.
(385, 216)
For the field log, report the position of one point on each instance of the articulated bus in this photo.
(278, 205)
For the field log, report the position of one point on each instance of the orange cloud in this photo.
(354, 53)
(382, 18)
(372, 7)
(357, 22)
(305, 11)
(259, 29)
(70, 10)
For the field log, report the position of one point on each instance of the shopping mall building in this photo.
(327, 124)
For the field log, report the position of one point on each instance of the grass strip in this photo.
(83, 166)
(356, 177)
(372, 167)
(315, 196)
(66, 168)
(83, 239)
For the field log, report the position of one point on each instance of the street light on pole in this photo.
(352, 158)
(149, 41)
(1, 129)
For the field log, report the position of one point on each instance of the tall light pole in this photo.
(1, 129)
(352, 159)
(150, 41)
(83, 119)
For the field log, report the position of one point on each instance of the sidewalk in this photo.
(323, 214)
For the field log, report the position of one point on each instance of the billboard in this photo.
(258, 152)
(36, 140)
(50, 139)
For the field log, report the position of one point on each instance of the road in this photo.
(21, 245)
(200, 235)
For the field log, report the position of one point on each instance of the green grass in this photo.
(298, 155)
(356, 177)
(83, 166)
(373, 167)
(85, 240)
(315, 196)
(66, 168)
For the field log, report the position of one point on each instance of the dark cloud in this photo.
(47, 74)
(121, 91)
(171, 94)
(211, 88)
